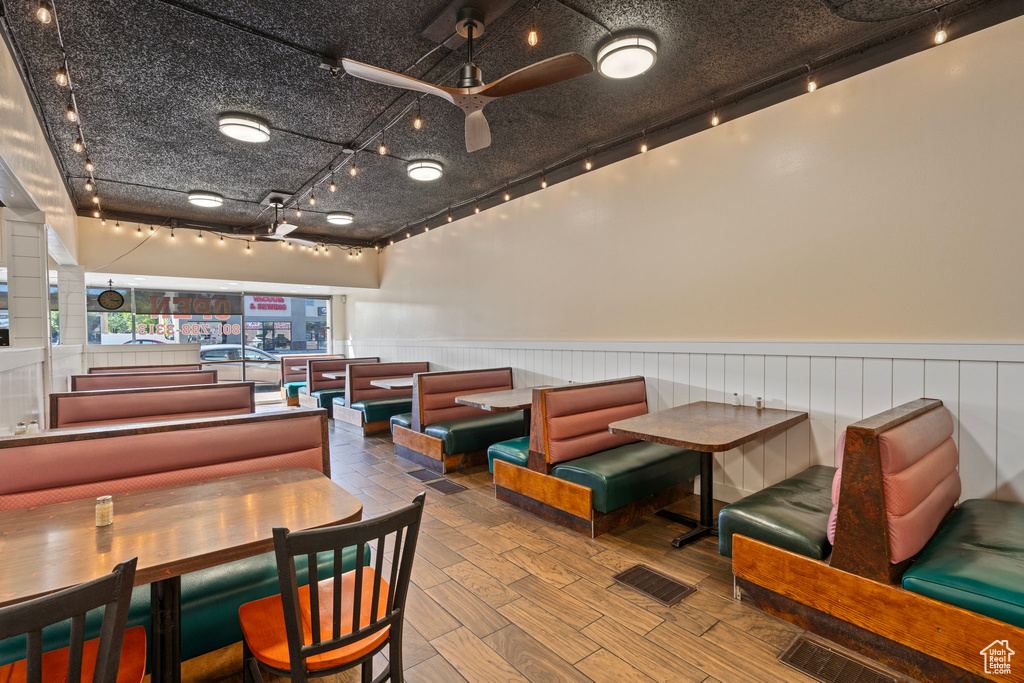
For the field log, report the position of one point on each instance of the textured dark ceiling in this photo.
(151, 79)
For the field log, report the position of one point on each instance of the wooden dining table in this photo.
(393, 382)
(173, 530)
(710, 428)
(505, 401)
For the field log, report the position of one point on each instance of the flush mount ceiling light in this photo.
(424, 170)
(244, 127)
(340, 218)
(205, 199)
(627, 56)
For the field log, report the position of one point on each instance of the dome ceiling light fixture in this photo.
(627, 56)
(424, 170)
(340, 218)
(207, 200)
(244, 127)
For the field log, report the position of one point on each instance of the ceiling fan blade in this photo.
(544, 73)
(478, 133)
(385, 77)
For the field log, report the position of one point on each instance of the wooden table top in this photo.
(393, 383)
(506, 401)
(173, 530)
(706, 426)
(334, 375)
(297, 368)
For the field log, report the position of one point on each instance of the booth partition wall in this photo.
(242, 336)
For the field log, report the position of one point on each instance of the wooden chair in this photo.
(345, 619)
(118, 655)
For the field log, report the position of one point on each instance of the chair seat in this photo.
(291, 389)
(210, 599)
(402, 420)
(792, 515)
(619, 476)
(514, 451)
(976, 561)
(477, 433)
(264, 628)
(55, 662)
(382, 409)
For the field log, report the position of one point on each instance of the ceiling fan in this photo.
(472, 95)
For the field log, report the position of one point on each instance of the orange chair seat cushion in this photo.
(55, 662)
(264, 629)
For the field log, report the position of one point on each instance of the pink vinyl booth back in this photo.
(920, 480)
(576, 418)
(138, 380)
(434, 399)
(146, 368)
(79, 408)
(71, 464)
(299, 363)
(315, 370)
(359, 376)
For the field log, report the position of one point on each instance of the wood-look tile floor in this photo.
(501, 595)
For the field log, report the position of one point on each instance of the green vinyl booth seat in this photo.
(976, 561)
(325, 397)
(514, 451)
(477, 433)
(210, 599)
(622, 475)
(381, 409)
(291, 389)
(402, 420)
(792, 515)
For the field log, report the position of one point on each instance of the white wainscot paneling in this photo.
(982, 385)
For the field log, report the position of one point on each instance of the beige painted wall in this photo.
(885, 207)
(104, 250)
(23, 149)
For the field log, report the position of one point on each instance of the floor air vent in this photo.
(654, 585)
(825, 664)
(424, 475)
(445, 486)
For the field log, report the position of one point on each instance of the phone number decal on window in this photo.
(190, 328)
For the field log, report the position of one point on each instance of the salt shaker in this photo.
(760, 403)
(104, 511)
(736, 399)
(20, 429)
(33, 427)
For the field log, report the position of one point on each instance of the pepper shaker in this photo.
(760, 403)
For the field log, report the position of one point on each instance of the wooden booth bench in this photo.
(320, 391)
(138, 380)
(293, 374)
(76, 463)
(183, 367)
(573, 471)
(442, 435)
(81, 408)
(367, 409)
(927, 587)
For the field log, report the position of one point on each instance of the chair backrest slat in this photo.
(34, 657)
(375, 533)
(395, 566)
(112, 592)
(358, 592)
(377, 573)
(77, 645)
(314, 598)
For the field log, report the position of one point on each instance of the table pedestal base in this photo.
(706, 524)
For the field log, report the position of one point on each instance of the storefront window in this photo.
(108, 327)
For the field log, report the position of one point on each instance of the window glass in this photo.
(54, 314)
(108, 327)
